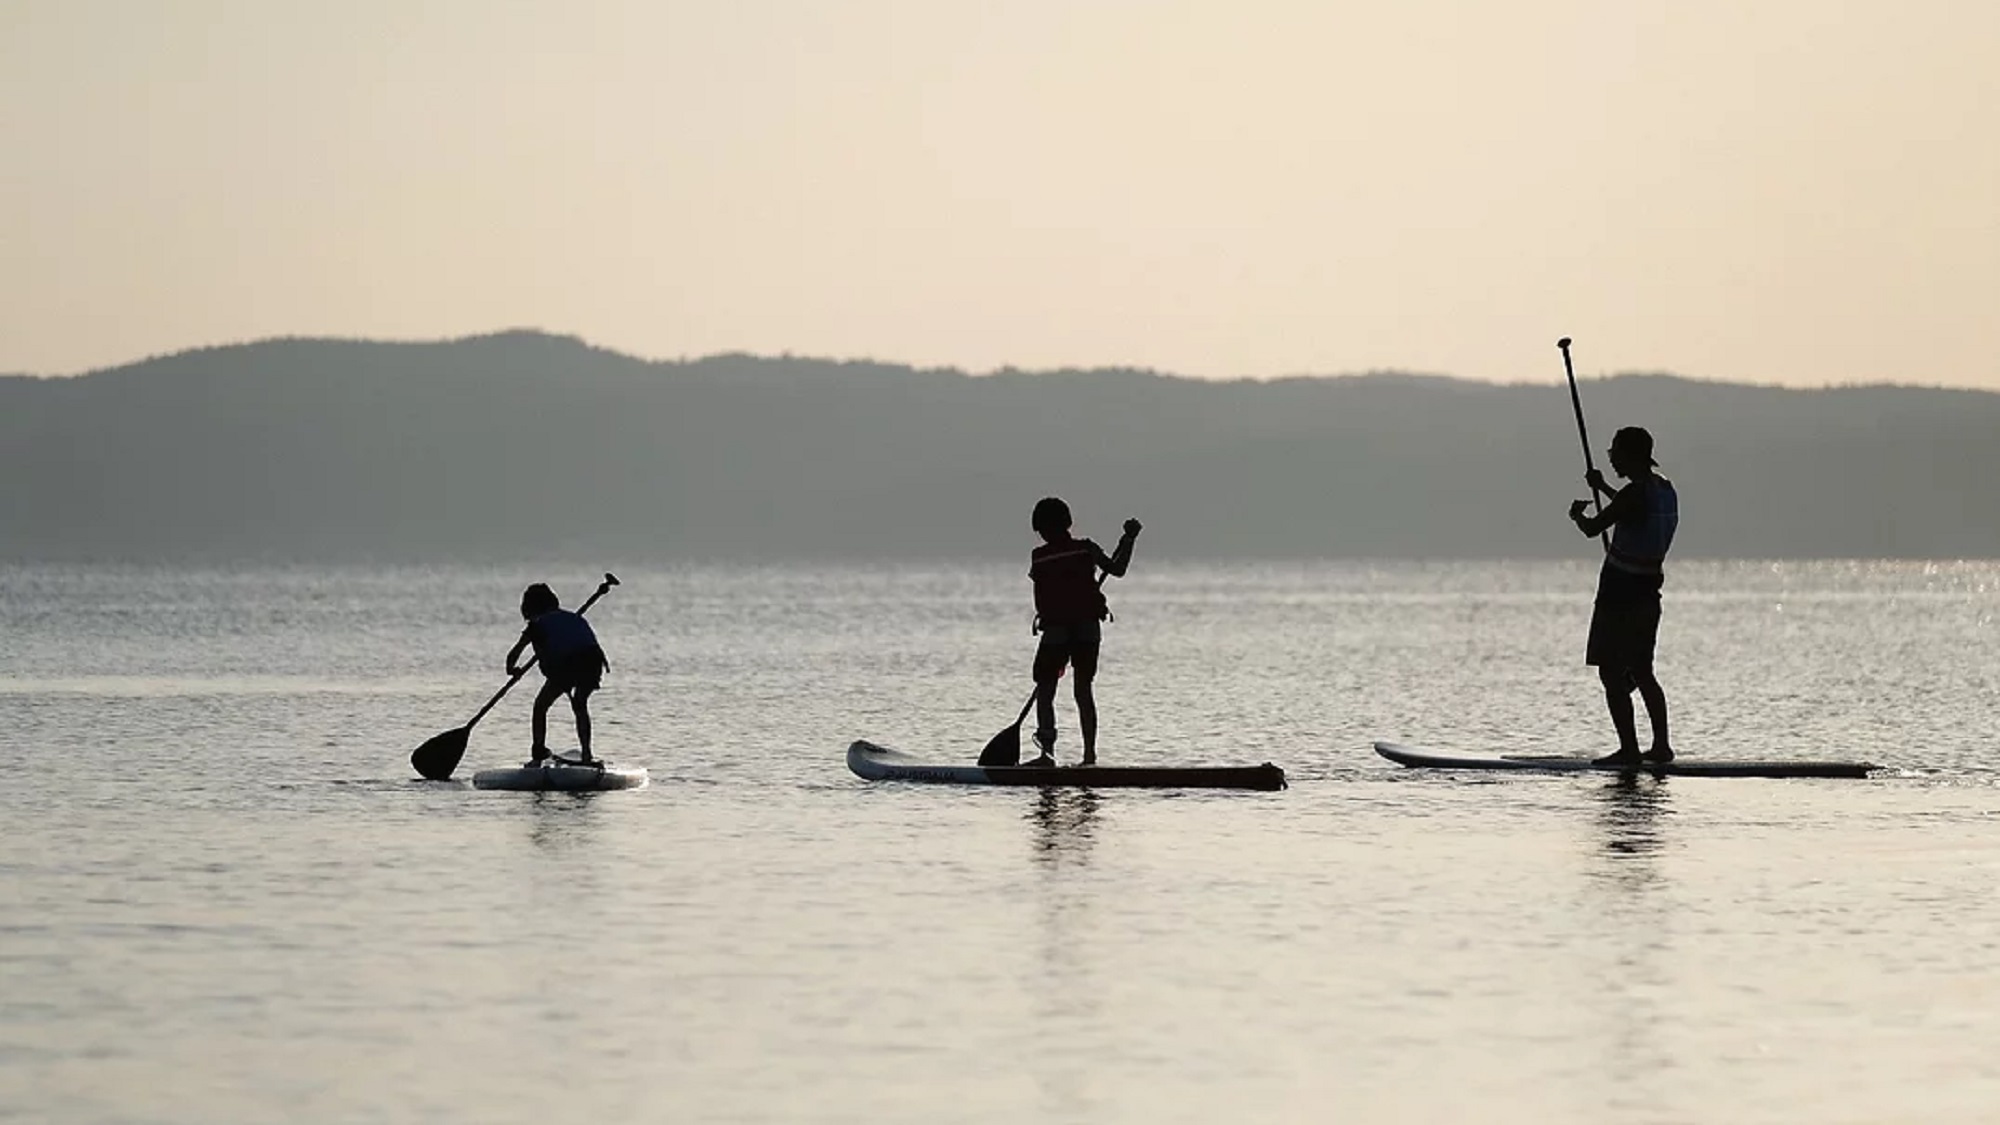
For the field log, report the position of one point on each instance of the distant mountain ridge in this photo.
(522, 444)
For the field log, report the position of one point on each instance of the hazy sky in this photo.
(1796, 191)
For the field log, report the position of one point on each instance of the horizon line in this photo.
(787, 356)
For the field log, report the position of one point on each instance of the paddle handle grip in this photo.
(1576, 406)
(1582, 431)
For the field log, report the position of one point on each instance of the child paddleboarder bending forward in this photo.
(571, 659)
(1069, 612)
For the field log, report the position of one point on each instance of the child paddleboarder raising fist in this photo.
(571, 659)
(1069, 611)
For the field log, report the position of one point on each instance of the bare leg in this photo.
(1086, 717)
(1655, 698)
(1045, 709)
(1618, 699)
(579, 702)
(539, 724)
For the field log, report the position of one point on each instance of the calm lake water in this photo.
(226, 899)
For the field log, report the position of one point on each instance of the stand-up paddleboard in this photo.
(879, 763)
(1579, 763)
(562, 775)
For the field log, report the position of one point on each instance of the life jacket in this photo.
(1066, 589)
(1640, 546)
(560, 635)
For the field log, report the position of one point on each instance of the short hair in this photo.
(1051, 514)
(1637, 441)
(538, 599)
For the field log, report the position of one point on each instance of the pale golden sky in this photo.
(1791, 191)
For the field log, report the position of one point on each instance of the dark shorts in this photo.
(1622, 634)
(1074, 646)
(581, 672)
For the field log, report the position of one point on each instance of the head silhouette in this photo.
(1051, 516)
(537, 600)
(1631, 450)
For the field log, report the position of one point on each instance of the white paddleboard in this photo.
(562, 776)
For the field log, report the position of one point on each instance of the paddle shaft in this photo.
(1582, 431)
(1026, 707)
(603, 588)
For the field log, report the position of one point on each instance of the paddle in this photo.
(436, 758)
(1583, 434)
(1004, 749)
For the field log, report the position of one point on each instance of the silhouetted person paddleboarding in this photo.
(572, 662)
(1069, 613)
(1625, 623)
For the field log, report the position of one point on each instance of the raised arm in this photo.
(1121, 556)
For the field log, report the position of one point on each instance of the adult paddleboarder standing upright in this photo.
(1641, 517)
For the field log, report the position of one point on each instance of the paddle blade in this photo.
(1004, 749)
(437, 758)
